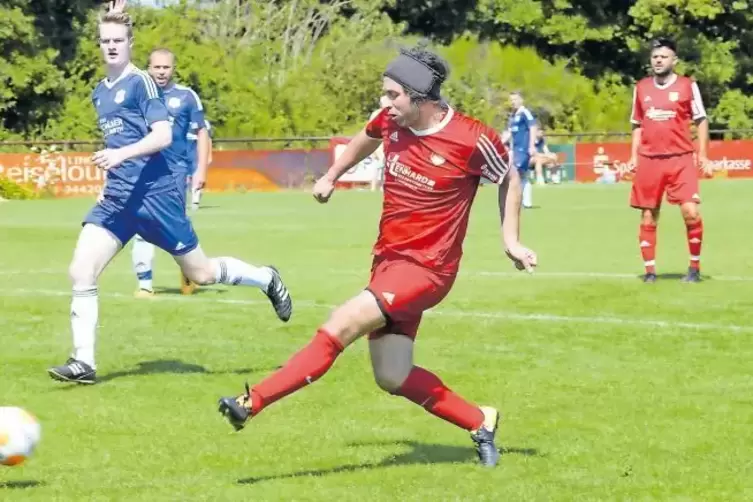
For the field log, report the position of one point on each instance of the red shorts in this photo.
(677, 175)
(404, 290)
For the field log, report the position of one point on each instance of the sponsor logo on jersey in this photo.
(406, 175)
(659, 115)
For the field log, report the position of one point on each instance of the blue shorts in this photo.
(522, 161)
(158, 218)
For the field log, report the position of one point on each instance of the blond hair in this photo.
(120, 18)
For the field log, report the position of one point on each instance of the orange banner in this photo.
(62, 174)
(73, 174)
(730, 159)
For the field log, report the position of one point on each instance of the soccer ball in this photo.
(19, 434)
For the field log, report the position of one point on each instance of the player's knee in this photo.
(388, 381)
(82, 273)
(201, 276)
(691, 214)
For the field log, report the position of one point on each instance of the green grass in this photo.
(610, 389)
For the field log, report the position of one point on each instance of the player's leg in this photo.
(538, 165)
(395, 372)
(683, 189)
(142, 259)
(646, 195)
(358, 316)
(197, 267)
(96, 247)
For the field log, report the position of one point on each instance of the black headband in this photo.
(414, 75)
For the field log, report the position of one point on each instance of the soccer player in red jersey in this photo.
(435, 158)
(663, 154)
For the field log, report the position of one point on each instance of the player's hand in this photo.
(522, 257)
(323, 189)
(706, 167)
(631, 164)
(117, 5)
(198, 181)
(532, 151)
(108, 158)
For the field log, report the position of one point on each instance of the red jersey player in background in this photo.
(664, 105)
(435, 158)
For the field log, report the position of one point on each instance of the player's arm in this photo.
(489, 159)
(360, 147)
(636, 119)
(202, 140)
(701, 121)
(509, 200)
(533, 129)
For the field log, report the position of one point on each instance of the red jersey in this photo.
(664, 112)
(430, 181)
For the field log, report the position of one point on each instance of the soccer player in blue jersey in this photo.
(187, 117)
(521, 131)
(141, 196)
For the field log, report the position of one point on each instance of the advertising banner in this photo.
(730, 159)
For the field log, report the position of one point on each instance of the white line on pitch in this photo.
(544, 317)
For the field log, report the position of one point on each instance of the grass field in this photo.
(610, 389)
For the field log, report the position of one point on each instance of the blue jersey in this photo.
(540, 145)
(520, 124)
(126, 108)
(193, 145)
(186, 114)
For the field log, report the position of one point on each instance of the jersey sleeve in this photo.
(699, 111)
(636, 116)
(150, 100)
(198, 121)
(377, 124)
(489, 157)
(529, 117)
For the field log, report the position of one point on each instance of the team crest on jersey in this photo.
(119, 96)
(674, 96)
(393, 137)
(436, 159)
(173, 102)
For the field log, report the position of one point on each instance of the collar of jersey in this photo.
(436, 128)
(126, 71)
(666, 84)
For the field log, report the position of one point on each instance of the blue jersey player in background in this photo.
(186, 114)
(197, 177)
(141, 196)
(521, 132)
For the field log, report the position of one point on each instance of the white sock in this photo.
(84, 315)
(527, 192)
(142, 258)
(196, 197)
(237, 273)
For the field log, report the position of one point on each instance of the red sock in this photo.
(425, 389)
(305, 367)
(647, 239)
(695, 240)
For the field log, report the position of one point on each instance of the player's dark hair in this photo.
(436, 63)
(664, 42)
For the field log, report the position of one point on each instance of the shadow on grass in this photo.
(19, 485)
(201, 290)
(420, 453)
(173, 366)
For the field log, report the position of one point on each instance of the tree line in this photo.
(273, 68)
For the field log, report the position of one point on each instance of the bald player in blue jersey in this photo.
(187, 118)
(141, 196)
(521, 132)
